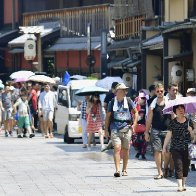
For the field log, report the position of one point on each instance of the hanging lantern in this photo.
(30, 49)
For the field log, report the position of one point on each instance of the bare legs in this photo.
(158, 158)
(125, 155)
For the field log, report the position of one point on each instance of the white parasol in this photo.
(21, 74)
(42, 79)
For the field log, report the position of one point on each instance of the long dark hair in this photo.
(98, 100)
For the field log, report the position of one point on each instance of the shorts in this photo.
(157, 139)
(48, 115)
(23, 121)
(122, 139)
(7, 114)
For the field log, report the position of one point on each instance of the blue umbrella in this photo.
(90, 90)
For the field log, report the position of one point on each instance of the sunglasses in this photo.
(159, 91)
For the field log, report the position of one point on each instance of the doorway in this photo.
(49, 65)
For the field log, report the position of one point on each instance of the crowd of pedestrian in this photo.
(141, 122)
(27, 107)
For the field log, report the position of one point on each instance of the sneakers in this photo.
(10, 133)
(137, 155)
(117, 174)
(19, 136)
(31, 135)
(84, 146)
(143, 157)
(6, 134)
(24, 135)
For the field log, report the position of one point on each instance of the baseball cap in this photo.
(141, 94)
(121, 86)
(191, 90)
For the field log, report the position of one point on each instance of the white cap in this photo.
(121, 86)
(191, 90)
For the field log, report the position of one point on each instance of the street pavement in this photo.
(50, 167)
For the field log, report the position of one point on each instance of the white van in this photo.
(67, 116)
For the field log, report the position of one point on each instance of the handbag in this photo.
(140, 128)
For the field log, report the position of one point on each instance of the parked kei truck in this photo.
(67, 116)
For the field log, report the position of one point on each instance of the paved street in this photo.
(41, 166)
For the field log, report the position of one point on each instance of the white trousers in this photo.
(84, 133)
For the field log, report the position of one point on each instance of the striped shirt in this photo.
(83, 109)
(180, 134)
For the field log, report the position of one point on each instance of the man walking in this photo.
(46, 105)
(119, 119)
(109, 96)
(158, 124)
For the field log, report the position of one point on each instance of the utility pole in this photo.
(90, 61)
(103, 54)
(13, 15)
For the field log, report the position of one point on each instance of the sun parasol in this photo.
(90, 90)
(42, 79)
(107, 82)
(20, 79)
(21, 74)
(188, 102)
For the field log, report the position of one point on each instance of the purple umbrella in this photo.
(188, 102)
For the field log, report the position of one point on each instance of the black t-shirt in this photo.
(160, 121)
(180, 134)
(109, 96)
(151, 100)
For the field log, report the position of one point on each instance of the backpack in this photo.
(130, 107)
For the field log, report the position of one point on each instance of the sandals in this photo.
(158, 177)
(124, 173)
(117, 174)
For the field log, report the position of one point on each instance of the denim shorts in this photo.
(157, 139)
(121, 138)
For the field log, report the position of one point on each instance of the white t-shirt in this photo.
(47, 101)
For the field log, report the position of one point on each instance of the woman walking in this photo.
(94, 119)
(180, 133)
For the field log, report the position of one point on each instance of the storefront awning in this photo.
(6, 36)
(179, 57)
(153, 43)
(179, 27)
(19, 41)
(126, 63)
(76, 43)
(125, 44)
